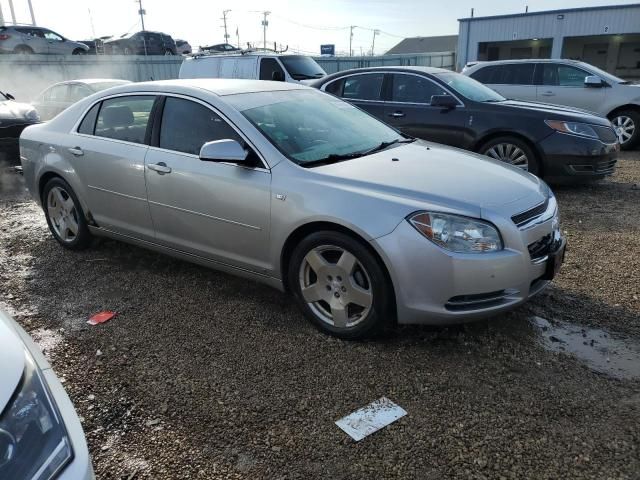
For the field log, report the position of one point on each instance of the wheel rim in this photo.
(62, 214)
(509, 153)
(336, 286)
(625, 128)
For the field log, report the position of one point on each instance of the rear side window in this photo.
(88, 124)
(414, 89)
(363, 87)
(187, 126)
(57, 93)
(267, 68)
(484, 75)
(125, 118)
(511, 74)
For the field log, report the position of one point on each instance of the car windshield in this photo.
(470, 88)
(310, 127)
(301, 67)
(99, 86)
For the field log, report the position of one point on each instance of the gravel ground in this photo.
(204, 375)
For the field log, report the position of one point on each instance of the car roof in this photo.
(524, 60)
(390, 68)
(217, 86)
(90, 81)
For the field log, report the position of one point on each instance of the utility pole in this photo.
(373, 43)
(351, 40)
(224, 19)
(265, 24)
(13, 13)
(93, 30)
(142, 13)
(33, 17)
(238, 36)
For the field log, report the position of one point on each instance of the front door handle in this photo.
(161, 168)
(548, 94)
(77, 151)
(396, 114)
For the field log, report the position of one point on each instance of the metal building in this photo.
(607, 37)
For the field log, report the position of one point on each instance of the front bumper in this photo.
(79, 468)
(566, 155)
(10, 143)
(436, 287)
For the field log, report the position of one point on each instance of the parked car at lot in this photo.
(183, 47)
(449, 108)
(220, 47)
(27, 39)
(59, 96)
(567, 82)
(14, 117)
(141, 43)
(295, 188)
(253, 66)
(40, 432)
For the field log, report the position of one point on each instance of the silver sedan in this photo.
(292, 187)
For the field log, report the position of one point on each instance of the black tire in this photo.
(533, 160)
(380, 312)
(79, 51)
(634, 115)
(168, 52)
(82, 239)
(23, 50)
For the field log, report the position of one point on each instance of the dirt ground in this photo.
(204, 375)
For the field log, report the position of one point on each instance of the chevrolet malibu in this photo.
(295, 188)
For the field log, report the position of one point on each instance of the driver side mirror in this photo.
(9, 96)
(226, 150)
(277, 76)
(444, 101)
(593, 81)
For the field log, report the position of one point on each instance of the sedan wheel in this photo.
(336, 287)
(509, 153)
(63, 214)
(625, 128)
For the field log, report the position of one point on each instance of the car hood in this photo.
(11, 360)
(556, 111)
(435, 174)
(12, 110)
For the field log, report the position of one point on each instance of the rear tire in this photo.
(168, 52)
(512, 150)
(627, 126)
(79, 51)
(340, 286)
(64, 215)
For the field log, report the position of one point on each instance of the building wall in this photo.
(575, 22)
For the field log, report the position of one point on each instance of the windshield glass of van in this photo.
(310, 127)
(301, 67)
(470, 88)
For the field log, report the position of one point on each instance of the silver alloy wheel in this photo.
(336, 286)
(62, 214)
(625, 127)
(509, 153)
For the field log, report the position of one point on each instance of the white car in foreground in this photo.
(40, 434)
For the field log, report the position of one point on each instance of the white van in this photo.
(252, 66)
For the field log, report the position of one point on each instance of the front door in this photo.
(564, 85)
(56, 44)
(409, 110)
(216, 210)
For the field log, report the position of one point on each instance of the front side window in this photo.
(414, 89)
(563, 75)
(309, 126)
(125, 118)
(301, 67)
(49, 35)
(187, 126)
(57, 93)
(78, 92)
(269, 66)
(363, 87)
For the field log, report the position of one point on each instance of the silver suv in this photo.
(567, 82)
(26, 39)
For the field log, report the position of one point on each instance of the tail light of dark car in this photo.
(4, 36)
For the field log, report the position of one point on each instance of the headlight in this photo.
(33, 441)
(456, 233)
(32, 116)
(574, 128)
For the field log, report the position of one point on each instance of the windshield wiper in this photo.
(385, 145)
(332, 158)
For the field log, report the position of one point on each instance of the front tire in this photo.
(513, 151)
(627, 126)
(64, 215)
(340, 286)
(79, 51)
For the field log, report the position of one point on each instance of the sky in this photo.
(302, 25)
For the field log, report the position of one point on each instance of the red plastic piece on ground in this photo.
(101, 317)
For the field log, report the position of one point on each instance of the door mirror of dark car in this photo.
(277, 76)
(226, 150)
(443, 101)
(593, 81)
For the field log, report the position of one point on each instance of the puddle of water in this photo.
(594, 347)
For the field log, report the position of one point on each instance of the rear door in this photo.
(563, 84)
(364, 90)
(409, 110)
(512, 80)
(216, 210)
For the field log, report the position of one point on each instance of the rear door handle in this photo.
(161, 168)
(77, 151)
(396, 114)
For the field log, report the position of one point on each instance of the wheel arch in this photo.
(502, 133)
(628, 106)
(50, 174)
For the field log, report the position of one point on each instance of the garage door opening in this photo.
(515, 50)
(617, 54)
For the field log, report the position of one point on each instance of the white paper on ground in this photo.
(371, 418)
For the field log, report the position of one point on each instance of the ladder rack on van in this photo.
(246, 51)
